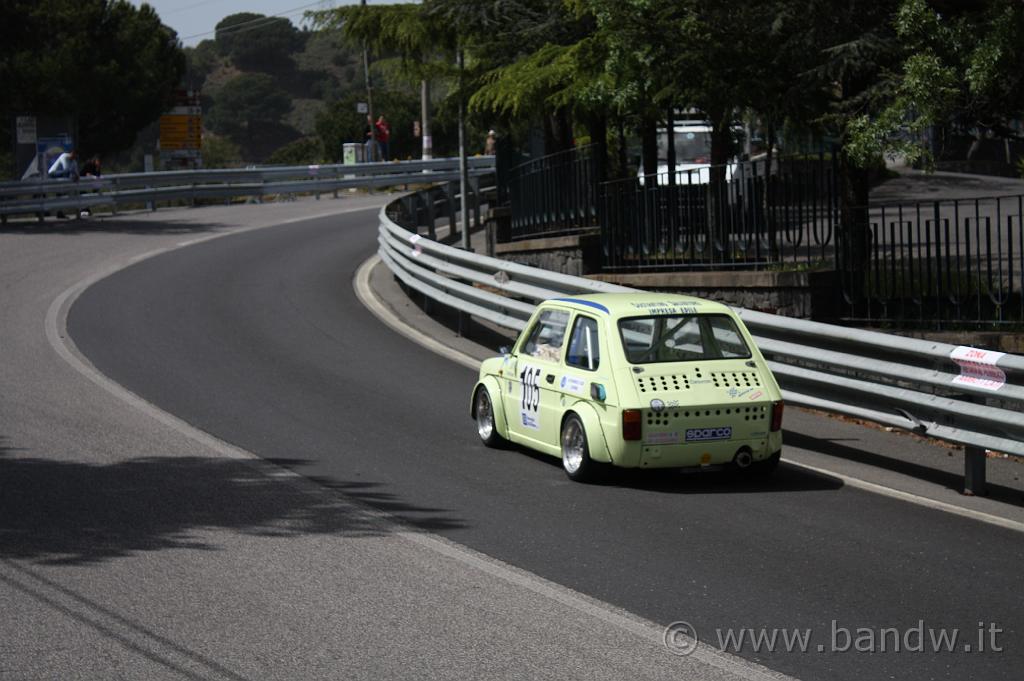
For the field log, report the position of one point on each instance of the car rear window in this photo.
(681, 338)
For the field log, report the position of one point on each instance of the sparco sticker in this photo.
(705, 434)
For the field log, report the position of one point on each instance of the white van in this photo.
(693, 154)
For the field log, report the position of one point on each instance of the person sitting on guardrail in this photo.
(91, 170)
(66, 166)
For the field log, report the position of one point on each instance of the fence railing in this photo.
(962, 395)
(753, 215)
(958, 261)
(555, 194)
(939, 263)
(40, 197)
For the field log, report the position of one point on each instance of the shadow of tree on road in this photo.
(75, 227)
(59, 512)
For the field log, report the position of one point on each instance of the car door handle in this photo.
(550, 378)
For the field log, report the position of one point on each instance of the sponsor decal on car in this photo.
(662, 438)
(573, 384)
(705, 434)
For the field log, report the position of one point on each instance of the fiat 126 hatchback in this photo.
(633, 380)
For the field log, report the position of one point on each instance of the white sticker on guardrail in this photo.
(416, 248)
(978, 367)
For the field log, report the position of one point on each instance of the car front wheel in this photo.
(483, 412)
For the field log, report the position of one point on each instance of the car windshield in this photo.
(691, 146)
(682, 338)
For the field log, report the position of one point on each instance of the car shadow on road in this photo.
(952, 481)
(717, 480)
(59, 512)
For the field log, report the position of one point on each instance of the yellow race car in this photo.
(634, 380)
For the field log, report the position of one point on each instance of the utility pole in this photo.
(463, 162)
(369, 98)
(428, 143)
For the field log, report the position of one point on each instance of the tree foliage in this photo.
(112, 66)
(255, 42)
(961, 64)
(246, 103)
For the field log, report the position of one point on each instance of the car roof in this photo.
(641, 304)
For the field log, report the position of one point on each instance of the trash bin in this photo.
(352, 153)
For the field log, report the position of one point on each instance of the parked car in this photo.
(633, 380)
(693, 154)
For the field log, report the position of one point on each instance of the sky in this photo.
(194, 19)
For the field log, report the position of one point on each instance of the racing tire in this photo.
(486, 426)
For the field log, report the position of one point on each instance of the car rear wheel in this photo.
(576, 452)
(483, 412)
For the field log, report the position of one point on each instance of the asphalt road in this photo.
(259, 339)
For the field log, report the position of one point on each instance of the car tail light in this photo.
(631, 428)
(777, 415)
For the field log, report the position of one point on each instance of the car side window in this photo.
(584, 347)
(547, 336)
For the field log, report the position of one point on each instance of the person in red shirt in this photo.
(383, 135)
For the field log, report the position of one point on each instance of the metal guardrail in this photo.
(961, 395)
(40, 197)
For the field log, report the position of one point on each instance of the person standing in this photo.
(372, 143)
(383, 135)
(491, 145)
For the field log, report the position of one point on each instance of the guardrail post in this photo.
(450, 193)
(475, 185)
(974, 471)
(428, 197)
(974, 463)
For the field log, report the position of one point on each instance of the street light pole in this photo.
(369, 97)
(463, 162)
(428, 143)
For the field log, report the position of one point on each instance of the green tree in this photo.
(201, 61)
(247, 103)
(962, 64)
(221, 152)
(303, 151)
(110, 65)
(256, 42)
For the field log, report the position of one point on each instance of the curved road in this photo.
(259, 339)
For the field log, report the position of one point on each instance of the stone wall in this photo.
(579, 255)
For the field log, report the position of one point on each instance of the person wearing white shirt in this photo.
(66, 165)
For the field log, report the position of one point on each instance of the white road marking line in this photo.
(912, 498)
(365, 293)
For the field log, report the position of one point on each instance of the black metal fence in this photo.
(927, 263)
(956, 262)
(754, 215)
(555, 194)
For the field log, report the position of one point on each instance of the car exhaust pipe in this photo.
(743, 459)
